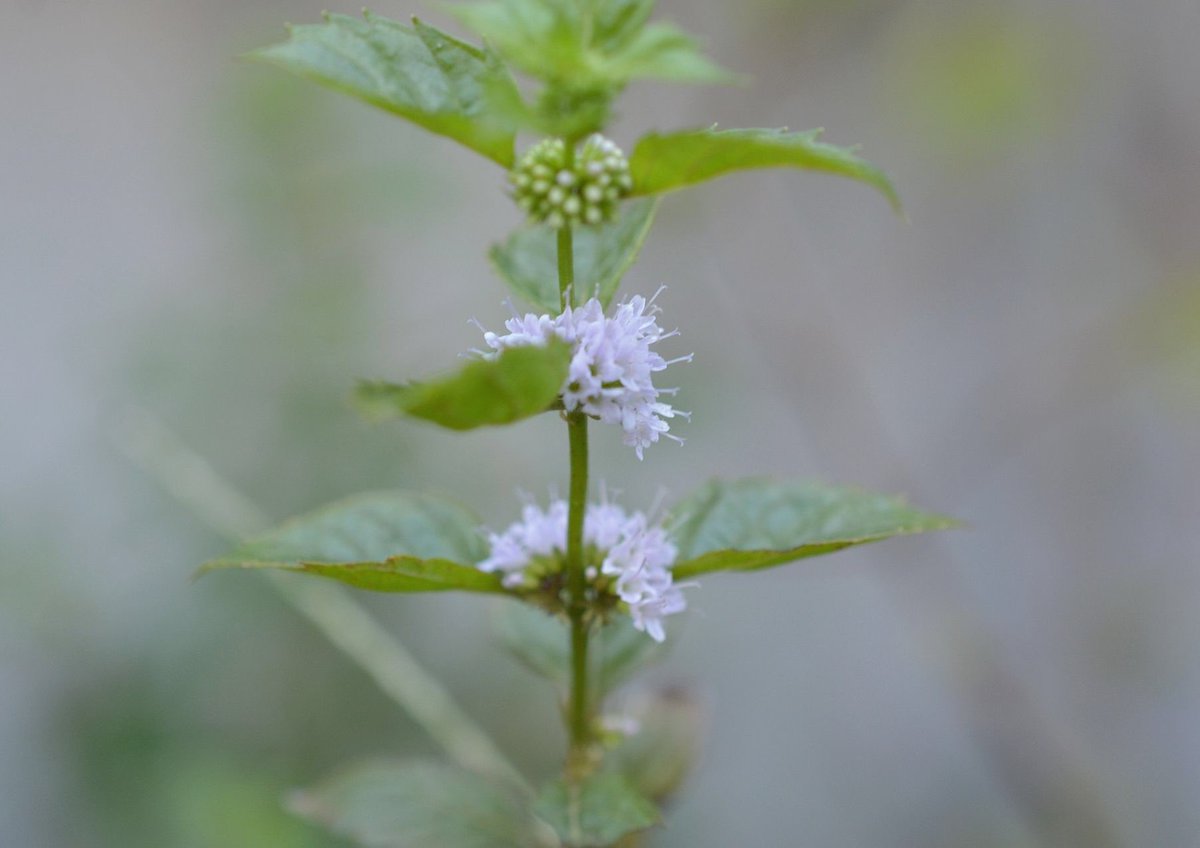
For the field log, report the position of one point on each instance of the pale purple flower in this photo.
(539, 534)
(648, 615)
(637, 552)
(612, 364)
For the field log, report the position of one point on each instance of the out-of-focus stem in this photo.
(191, 479)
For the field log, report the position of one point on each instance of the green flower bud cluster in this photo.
(552, 191)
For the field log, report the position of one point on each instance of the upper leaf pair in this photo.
(417, 72)
(466, 93)
(660, 163)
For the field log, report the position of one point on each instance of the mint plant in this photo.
(589, 585)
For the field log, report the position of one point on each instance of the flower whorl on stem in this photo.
(612, 365)
(630, 557)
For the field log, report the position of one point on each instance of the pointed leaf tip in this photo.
(751, 524)
(517, 384)
(445, 87)
(416, 803)
(663, 163)
(383, 541)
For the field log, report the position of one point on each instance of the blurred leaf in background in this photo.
(979, 78)
(301, 196)
(133, 704)
(1165, 336)
(183, 742)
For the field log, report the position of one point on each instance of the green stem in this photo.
(578, 712)
(566, 245)
(566, 264)
(578, 709)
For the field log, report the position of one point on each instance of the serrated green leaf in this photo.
(385, 541)
(520, 382)
(542, 643)
(663, 163)
(528, 261)
(386, 804)
(597, 812)
(417, 72)
(751, 524)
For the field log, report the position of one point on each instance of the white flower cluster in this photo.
(586, 191)
(629, 547)
(610, 377)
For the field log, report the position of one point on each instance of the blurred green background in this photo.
(223, 249)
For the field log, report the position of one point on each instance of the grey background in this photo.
(225, 249)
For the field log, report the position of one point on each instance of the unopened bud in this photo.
(587, 192)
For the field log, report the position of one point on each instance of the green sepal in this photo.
(597, 811)
(417, 72)
(519, 383)
(663, 163)
(383, 541)
(528, 260)
(541, 642)
(420, 805)
(750, 524)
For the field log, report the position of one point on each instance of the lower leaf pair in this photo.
(430, 805)
(406, 542)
